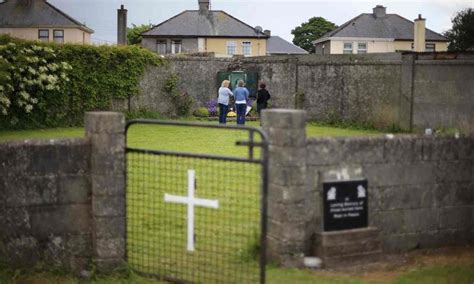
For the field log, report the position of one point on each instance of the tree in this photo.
(309, 31)
(461, 35)
(134, 33)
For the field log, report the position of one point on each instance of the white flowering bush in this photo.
(39, 88)
(27, 74)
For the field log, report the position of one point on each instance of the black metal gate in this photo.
(194, 217)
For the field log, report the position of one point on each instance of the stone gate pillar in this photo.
(287, 189)
(106, 131)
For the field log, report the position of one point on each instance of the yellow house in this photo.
(206, 30)
(39, 20)
(380, 32)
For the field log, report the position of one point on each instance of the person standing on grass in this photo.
(223, 101)
(262, 98)
(241, 98)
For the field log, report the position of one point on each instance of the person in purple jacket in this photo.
(241, 95)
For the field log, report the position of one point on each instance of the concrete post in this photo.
(106, 132)
(287, 190)
(122, 26)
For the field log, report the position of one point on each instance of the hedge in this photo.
(51, 85)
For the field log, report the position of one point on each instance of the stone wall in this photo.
(444, 94)
(421, 188)
(358, 92)
(385, 90)
(45, 209)
(63, 201)
(198, 77)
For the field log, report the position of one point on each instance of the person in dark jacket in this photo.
(262, 98)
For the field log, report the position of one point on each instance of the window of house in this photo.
(58, 36)
(347, 48)
(362, 47)
(43, 35)
(231, 48)
(430, 47)
(176, 46)
(247, 48)
(161, 46)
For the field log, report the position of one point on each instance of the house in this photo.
(380, 32)
(278, 46)
(206, 30)
(40, 20)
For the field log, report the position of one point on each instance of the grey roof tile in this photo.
(277, 45)
(211, 24)
(35, 13)
(390, 26)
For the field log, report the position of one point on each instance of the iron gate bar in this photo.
(192, 155)
(264, 171)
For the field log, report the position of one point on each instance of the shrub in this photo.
(212, 107)
(79, 78)
(33, 80)
(143, 114)
(181, 100)
(201, 112)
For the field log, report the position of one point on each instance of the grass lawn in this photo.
(312, 130)
(451, 271)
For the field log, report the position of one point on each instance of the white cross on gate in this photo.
(191, 201)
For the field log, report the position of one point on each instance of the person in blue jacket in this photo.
(241, 95)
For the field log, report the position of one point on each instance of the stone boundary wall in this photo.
(45, 209)
(421, 188)
(63, 201)
(385, 90)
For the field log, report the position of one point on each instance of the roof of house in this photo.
(277, 45)
(35, 13)
(204, 24)
(389, 26)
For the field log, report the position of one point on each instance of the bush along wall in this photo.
(49, 85)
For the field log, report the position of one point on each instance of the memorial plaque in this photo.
(345, 205)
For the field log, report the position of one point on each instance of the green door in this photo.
(250, 79)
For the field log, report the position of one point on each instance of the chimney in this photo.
(204, 5)
(268, 32)
(379, 11)
(420, 34)
(122, 26)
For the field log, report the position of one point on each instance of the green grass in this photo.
(314, 129)
(179, 134)
(51, 133)
(305, 276)
(448, 274)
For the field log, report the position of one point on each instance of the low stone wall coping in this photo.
(46, 142)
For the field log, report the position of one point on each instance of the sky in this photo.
(279, 16)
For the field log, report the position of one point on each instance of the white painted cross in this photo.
(191, 201)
